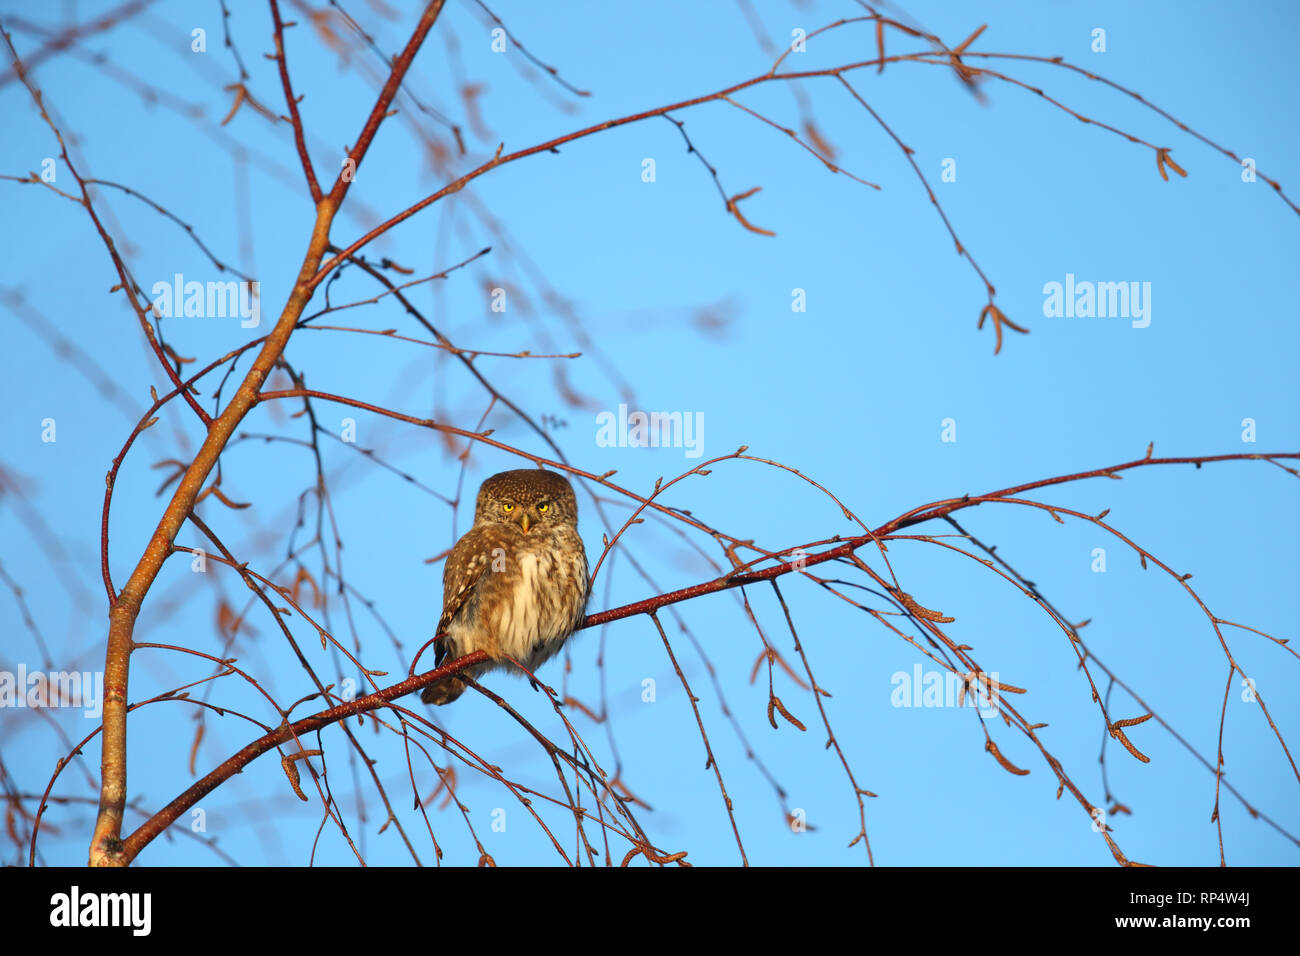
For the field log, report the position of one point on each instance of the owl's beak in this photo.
(524, 522)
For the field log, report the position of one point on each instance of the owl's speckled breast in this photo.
(528, 608)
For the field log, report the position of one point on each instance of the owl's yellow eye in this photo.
(507, 507)
(543, 508)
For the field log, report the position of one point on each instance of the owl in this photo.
(515, 585)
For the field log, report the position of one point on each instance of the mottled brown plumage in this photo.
(515, 585)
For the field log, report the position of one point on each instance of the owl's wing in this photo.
(469, 562)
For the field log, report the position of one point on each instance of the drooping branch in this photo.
(130, 847)
(848, 547)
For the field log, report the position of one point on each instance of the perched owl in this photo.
(516, 584)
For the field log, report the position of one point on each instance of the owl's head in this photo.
(528, 498)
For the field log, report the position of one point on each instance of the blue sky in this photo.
(676, 307)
